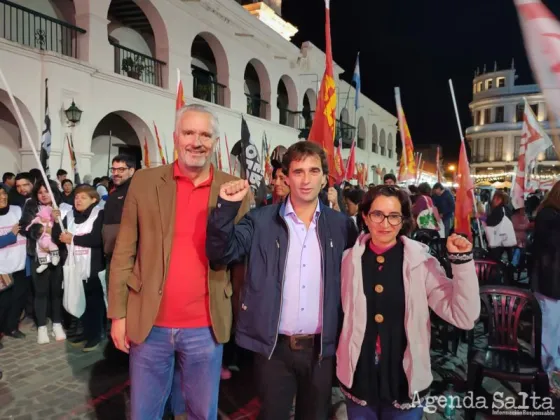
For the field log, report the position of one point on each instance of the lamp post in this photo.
(73, 113)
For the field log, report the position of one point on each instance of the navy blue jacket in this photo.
(262, 237)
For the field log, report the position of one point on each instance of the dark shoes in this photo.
(16, 334)
(91, 345)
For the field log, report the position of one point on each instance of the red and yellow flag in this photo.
(339, 173)
(407, 169)
(324, 123)
(179, 103)
(146, 154)
(161, 153)
(464, 203)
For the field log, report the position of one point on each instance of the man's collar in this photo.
(178, 175)
(289, 209)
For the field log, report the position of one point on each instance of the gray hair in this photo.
(203, 109)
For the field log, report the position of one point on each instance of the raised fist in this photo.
(458, 244)
(234, 190)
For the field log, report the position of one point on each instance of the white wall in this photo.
(10, 159)
(97, 90)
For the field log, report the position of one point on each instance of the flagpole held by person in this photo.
(463, 197)
(32, 146)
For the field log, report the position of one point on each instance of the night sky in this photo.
(418, 45)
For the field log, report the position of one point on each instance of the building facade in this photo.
(495, 136)
(119, 61)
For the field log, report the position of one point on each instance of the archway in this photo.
(11, 136)
(210, 70)
(374, 139)
(287, 101)
(382, 143)
(361, 134)
(390, 146)
(138, 35)
(257, 89)
(120, 132)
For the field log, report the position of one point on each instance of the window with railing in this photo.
(345, 132)
(206, 88)
(361, 143)
(137, 65)
(487, 113)
(256, 106)
(486, 156)
(550, 154)
(36, 30)
(382, 150)
(516, 146)
(519, 110)
(390, 154)
(374, 147)
(289, 118)
(500, 113)
(498, 151)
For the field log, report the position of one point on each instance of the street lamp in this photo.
(73, 113)
(451, 168)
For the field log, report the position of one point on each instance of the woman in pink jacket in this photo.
(389, 283)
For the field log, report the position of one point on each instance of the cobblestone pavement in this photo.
(56, 381)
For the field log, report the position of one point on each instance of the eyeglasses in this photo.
(119, 170)
(394, 219)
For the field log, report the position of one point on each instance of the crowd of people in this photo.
(323, 285)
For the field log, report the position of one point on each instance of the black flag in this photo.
(46, 138)
(251, 169)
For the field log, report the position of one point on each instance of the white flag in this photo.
(534, 141)
(541, 32)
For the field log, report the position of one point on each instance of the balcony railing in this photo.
(36, 30)
(256, 106)
(138, 66)
(206, 88)
(345, 132)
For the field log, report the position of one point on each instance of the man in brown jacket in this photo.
(164, 298)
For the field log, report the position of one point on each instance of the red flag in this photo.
(340, 173)
(179, 103)
(407, 168)
(464, 203)
(161, 154)
(324, 123)
(146, 154)
(351, 163)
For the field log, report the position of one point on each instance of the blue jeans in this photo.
(388, 412)
(152, 367)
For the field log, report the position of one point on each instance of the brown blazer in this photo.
(141, 258)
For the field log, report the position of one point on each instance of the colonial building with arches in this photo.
(118, 61)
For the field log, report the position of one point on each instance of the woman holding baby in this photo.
(37, 221)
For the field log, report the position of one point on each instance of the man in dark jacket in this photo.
(122, 169)
(445, 203)
(290, 301)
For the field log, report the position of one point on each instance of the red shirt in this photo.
(185, 301)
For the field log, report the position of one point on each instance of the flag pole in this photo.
(230, 169)
(32, 146)
(463, 141)
(62, 153)
(109, 153)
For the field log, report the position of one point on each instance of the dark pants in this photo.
(357, 412)
(5, 305)
(20, 291)
(94, 315)
(294, 373)
(48, 289)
